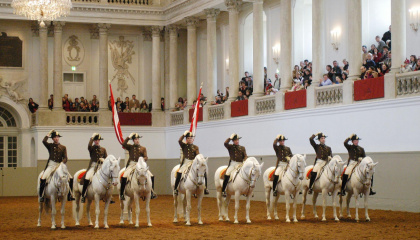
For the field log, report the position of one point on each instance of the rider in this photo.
(96, 153)
(58, 154)
(356, 154)
(283, 157)
(323, 154)
(135, 151)
(237, 155)
(189, 152)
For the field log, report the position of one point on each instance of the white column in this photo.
(103, 65)
(354, 13)
(258, 46)
(156, 95)
(43, 53)
(398, 34)
(211, 53)
(173, 66)
(166, 80)
(318, 43)
(58, 65)
(191, 59)
(286, 39)
(233, 7)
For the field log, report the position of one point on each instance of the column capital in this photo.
(58, 26)
(35, 29)
(233, 5)
(211, 13)
(104, 27)
(156, 31)
(94, 31)
(173, 29)
(147, 34)
(261, 1)
(192, 22)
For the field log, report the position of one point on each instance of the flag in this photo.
(115, 118)
(194, 119)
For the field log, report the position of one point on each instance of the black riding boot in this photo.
(123, 182)
(85, 186)
(153, 195)
(206, 192)
(311, 182)
(70, 194)
(275, 181)
(225, 182)
(41, 189)
(372, 192)
(343, 185)
(177, 180)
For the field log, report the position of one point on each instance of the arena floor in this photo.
(19, 218)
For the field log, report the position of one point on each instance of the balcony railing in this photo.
(177, 118)
(216, 112)
(266, 104)
(118, 2)
(408, 84)
(82, 118)
(329, 95)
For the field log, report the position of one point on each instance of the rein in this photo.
(107, 186)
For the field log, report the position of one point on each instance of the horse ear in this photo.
(304, 156)
(262, 164)
(207, 158)
(119, 159)
(375, 164)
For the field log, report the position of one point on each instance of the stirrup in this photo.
(176, 192)
(343, 193)
(41, 199)
(206, 192)
(122, 198)
(310, 191)
(274, 193)
(83, 200)
(372, 192)
(224, 194)
(111, 202)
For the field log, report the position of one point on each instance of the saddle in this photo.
(272, 172)
(185, 170)
(308, 174)
(48, 178)
(234, 173)
(130, 176)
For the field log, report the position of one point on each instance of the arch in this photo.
(18, 111)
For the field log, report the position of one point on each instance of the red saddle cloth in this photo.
(343, 171)
(222, 173)
(271, 175)
(308, 175)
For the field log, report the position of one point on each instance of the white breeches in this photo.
(131, 167)
(50, 168)
(90, 171)
(186, 164)
(232, 166)
(281, 168)
(350, 167)
(319, 164)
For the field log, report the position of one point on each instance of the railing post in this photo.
(251, 106)
(390, 86)
(310, 97)
(205, 110)
(348, 92)
(279, 101)
(186, 115)
(227, 110)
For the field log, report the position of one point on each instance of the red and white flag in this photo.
(194, 119)
(116, 119)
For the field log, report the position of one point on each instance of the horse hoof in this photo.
(287, 220)
(175, 221)
(63, 227)
(96, 226)
(277, 218)
(106, 227)
(136, 226)
(302, 217)
(121, 222)
(188, 224)
(337, 219)
(236, 222)
(295, 220)
(268, 218)
(227, 219)
(53, 227)
(200, 223)
(77, 224)
(248, 221)
(149, 224)
(38, 225)
(324, 220)
(90, 224)
(131, 222)
(367, 219)
(349, 216)
(316, 217)
(220, 219)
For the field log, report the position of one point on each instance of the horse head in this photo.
(300, 162)
(142, 171)
(61, 178)
(337, 164)
(255, 170)
(200, 167)
(111, 168)
(368, 168)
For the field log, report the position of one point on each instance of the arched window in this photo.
(8, 139)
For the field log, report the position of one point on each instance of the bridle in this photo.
(106, 180)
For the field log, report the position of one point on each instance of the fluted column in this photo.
(354, 13)
(318, 44)
(103, 65)
(156, 69)
(258, 48)
(58, 65)
(173, 65)
(211, 53)
(233, 7)
(43, 53)
(166, 80)
(398, 34)
(286, 39)
(191, 58)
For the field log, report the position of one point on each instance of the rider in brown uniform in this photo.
(58, 154)
(237, 155)
(96, 152)
(283, 154)
(323, 154)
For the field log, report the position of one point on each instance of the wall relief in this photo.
(13, 90)
(121, 58)
(74, 51)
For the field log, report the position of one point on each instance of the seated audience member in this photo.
(371, 73)
(94, 106)
(370, 62)
(76, 101)
(336, 69)
(124, 105)
(330, 73)
(134, 104)
(217, 101)
(309, 66)
(381, 43)
(413, 62)
(240, 97)
(406, 67)
(363, 72)
(250, 83)
(346, 66)
(325, 81)
(372, 48)
(417, 65)
(307, 78)
(382, 70)
(243, 88)
(376, 56)
(388, 60)
(338, 80)
(73, 108)
(83, 107)
(32, 105)
(297, 70)
(344, 76)
(296, 86)
(270, 90)
(144, 109)
(248, 93)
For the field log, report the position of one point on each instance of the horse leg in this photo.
(149, 224)
(287, 198)
(334, 201)
(184, 206)
(40, 207)
(348, 198)
(302, 213)
(340, 200)
(366, 205)
(226, 207)
(53, 212)
(324, 203)
(63, 210)
(237, 195)
(267, 201)
(315, 196)
(248, 206)
(275, 202)
(220, 205)
(97, 210)
(88, 212)
(106, 212)
(188, 210)
(175, 208)
(136, 201)
(294, 207)
(77, 212)
(122, 212)
(356, 197)
(200, 199)
(130, 210)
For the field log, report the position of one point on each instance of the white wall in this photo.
(413, 37)
(376, 21)
(336, 19)
(302, 31)
(273, 37)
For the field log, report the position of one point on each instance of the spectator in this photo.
(417, 65)
(383, 70)
(51, 102)
(309, 66)
(162, 104)
(73, 107)
(94, 106)
(96, 100)
(330, 73)
(270, 90)
(143, 103)
(268, 85)
(298, 78)
(217, 101)
(372, 48)
(227, 93)
(77, 104)
(240, 96)
(83, 107)
(296, 86)
(369, 62)
(144, 109)
(337, 80)
(66, 103)
(388, 60)
(118, 103)
(265, 72)
(248, 93)
(325, 81)
(406, 67)
(371, 73)
(297, 70)
(387, 35)
(346, 66)
(365, 54)
(124, 105)
(363, 72)
(243, 88)
(277, 82)
(413, 62)
(250, 83)
(381, 43)
(307, 78)
(384, 54)
(388, 44)
(32, 105)
(344, 76)
(377, 56)
(134, 104)
(336, 69)
(109, 103)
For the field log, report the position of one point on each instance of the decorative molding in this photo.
(211, 13)
(147, 34)
(156, 31)
(192, 22)
(74, 51)
(35, 29)
(13, 90)
(173, 29)
(58, 26)
(103, 28)
(408, 84)
(94, 31)
(328, 95)
(233, 5)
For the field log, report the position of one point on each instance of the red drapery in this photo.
(369, 89)
(296, 99)
(200, 115)
(239, 108)
(135, 119)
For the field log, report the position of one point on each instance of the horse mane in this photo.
(365, 161)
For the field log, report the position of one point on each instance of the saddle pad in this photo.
(122, 174)
(308, 175)
(271, 175)
(222, 173)
(81, 176)
(186, 169)
(343, 171)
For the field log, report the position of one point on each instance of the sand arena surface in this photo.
(19, 219)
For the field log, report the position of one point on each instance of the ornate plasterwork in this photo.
(14, 90)
(74, 51)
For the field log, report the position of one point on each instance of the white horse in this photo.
(242, 183)
(289, 185)
(140, 187)
(359, 183)
(101, 187)
(194, 183)
(328, 182)
(57, 189)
